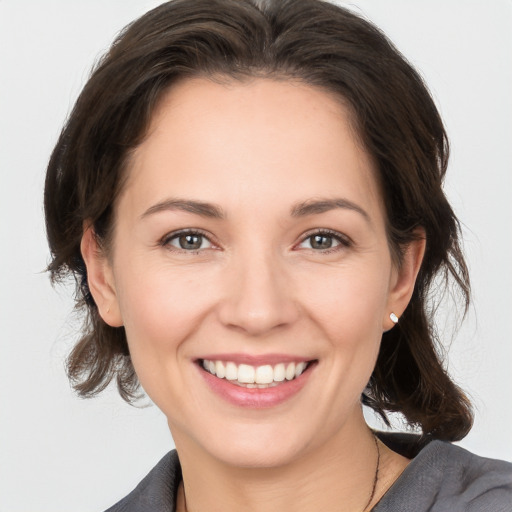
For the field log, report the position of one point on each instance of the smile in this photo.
(264, 376)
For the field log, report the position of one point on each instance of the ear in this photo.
(100, 278)
(404, 278)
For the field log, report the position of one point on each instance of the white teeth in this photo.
(279, 372)
(249, 376)
(246, 374)
(231, 371)
(299, 368)
(290, 371)
(220, 369)
(264, 374)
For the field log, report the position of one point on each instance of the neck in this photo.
(338, 477)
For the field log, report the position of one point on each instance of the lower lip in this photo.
(256, 398)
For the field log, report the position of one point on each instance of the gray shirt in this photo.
(440, 478)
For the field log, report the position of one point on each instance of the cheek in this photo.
(161, 307)
(161, 311)
(348, 303)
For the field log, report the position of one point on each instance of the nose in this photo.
(258, 296)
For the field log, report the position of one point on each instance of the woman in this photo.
(250, 198)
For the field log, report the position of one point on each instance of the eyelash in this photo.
(166, 240)
(343, 240)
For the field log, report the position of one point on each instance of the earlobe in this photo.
(100, 278)
(404, 280)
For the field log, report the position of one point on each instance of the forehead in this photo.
(262, 140)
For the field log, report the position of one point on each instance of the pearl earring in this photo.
(393, 318)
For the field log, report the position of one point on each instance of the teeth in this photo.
(246, 374)
(264, 374)
(290, 371)
(279, 372)
(254, 377)
(231, 371)
(220, 369)
(299, 368)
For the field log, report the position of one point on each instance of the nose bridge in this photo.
(258, 293)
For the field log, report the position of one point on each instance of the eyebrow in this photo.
(312, 207)
(187, 205)
(210, 210)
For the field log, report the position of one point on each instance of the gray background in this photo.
(59, 453)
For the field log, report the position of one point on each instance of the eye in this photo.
(324, 241)
(189, 241)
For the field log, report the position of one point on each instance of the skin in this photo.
(256, 286)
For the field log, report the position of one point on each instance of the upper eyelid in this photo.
(335, 234)
(192, 231)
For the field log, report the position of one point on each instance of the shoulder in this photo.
(157, 491)
(443, 477)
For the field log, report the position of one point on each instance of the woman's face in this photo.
(251, 231)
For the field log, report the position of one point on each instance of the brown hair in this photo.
(322, 45)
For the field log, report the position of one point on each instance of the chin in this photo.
(256, 457)
(260, 446)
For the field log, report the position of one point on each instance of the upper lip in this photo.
(256, 360)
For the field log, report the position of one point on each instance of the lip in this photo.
(254, 360)
(256, 398)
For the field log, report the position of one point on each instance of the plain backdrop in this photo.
(59, 453)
